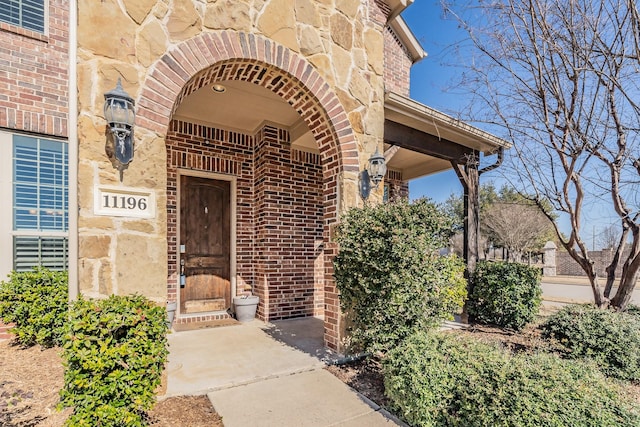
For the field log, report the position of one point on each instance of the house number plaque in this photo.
(126, 202)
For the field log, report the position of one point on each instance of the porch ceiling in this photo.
(244, 107)
(430, 140)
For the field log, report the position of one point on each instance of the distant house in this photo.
(254, 122)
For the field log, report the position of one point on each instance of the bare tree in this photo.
(516, 226)
(562, 77)
(609, 237)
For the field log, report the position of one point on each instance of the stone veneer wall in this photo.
(34, 83)
(330, 51)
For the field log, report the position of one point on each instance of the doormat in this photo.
(181, 327)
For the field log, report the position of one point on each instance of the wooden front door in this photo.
(205, 232)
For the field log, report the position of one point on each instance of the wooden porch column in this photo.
(469, 177)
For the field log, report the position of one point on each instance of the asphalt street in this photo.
(563, 290)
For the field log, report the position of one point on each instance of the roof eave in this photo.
(430, 120)
(408, 39)
(397, 6)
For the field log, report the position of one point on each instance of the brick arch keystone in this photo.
(230, 55)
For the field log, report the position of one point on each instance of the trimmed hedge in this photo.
(610, 338)
(391, 278)
(445, 379)
(114, 352)
(37, 303)
(505, 294)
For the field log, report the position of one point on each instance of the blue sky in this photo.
(430, 79)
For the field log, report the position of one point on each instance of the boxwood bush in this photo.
(445, 379)
(37, 303)
(633, 309)
(391, 278)
(504, 294)
(114, 352)
(610, 338)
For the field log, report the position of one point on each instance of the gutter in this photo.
(410, 108)
(497, 163)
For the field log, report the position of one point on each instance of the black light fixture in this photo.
(373, 175)
(120, 115)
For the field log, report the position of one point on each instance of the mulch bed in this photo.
(31, 378)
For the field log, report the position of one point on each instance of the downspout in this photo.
(496, 164)
(72, 130)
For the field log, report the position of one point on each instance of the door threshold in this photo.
(209, 324)
(202, 317)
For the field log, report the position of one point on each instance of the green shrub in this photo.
(37, 303)
(633, 309)
(610, 338)
(391, 278)
(114, 352)
(504, 294)
(444, 379)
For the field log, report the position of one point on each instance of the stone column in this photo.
(549, 268)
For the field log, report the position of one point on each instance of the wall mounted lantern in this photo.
(120, 115)
(373, 175)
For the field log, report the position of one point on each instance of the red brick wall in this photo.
(397, 61)
(289, 225)
(397, 64)
(34, 79)
(379, 12)
(398, 189)
(206, 149)
(279, 213)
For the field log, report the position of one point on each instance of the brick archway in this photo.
(228, 55)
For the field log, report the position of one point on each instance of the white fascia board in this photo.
(408, 39)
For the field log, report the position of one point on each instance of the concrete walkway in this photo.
(258, 374)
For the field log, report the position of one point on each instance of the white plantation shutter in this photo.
(27, 14)
(49, 252)
(40, 208)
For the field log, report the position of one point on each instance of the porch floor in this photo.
(267, 374)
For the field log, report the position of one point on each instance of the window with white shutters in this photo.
(40, 195)
(27, 14)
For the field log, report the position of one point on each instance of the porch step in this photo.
(181, 327)
(200, 305)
